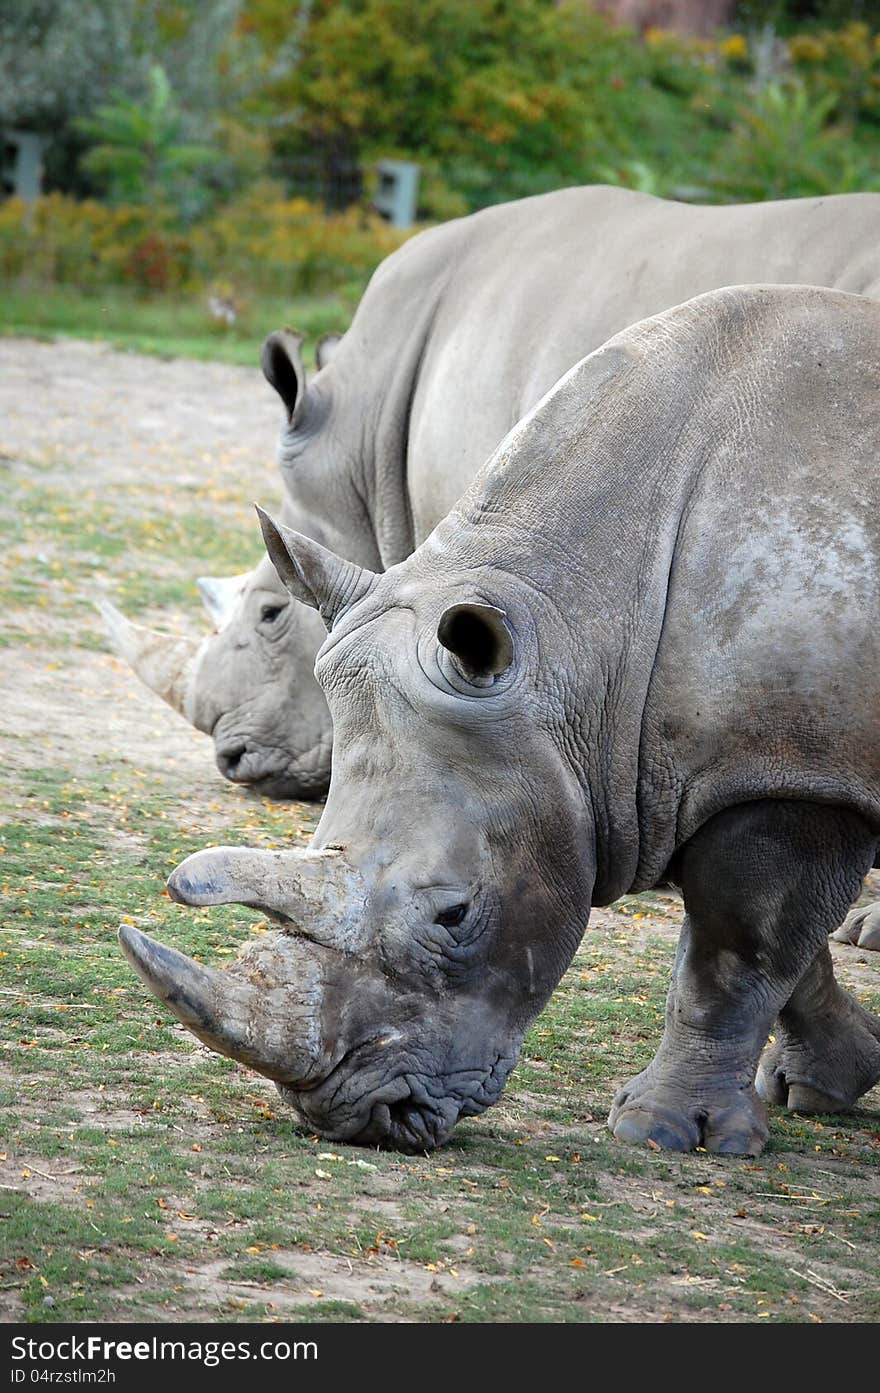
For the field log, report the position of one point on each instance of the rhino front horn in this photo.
(262, 1012)
(163, 664)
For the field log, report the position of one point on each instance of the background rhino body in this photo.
(643, 644)
(460, 333)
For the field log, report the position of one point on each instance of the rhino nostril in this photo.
(230, 758)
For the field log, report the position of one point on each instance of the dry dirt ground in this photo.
(126, 476)
(128, 431)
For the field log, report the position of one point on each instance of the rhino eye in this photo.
(451, 918)
(269, 613)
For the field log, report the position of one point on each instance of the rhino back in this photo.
(530, 287)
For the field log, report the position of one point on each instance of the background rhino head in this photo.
(251, 685)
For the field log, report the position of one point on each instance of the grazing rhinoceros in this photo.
(458, 335)
(643, 645)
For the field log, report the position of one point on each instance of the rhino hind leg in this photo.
(827, 1048)
(861, 927)
(764, 884)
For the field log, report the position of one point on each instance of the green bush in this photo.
(782, 146)
(262, 242)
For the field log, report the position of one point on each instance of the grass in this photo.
(143, 1178)
(169, 326)
(170, 1167)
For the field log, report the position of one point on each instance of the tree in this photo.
(500, 95)
(62, 59)
(138, 151)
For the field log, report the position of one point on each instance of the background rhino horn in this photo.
(320, 895)
(220, 595)
(313, 574)
(163, 664)
(268, 1024)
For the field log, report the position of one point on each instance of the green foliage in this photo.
(493, 100)
(500, 99)
(260, 243)
(138, 152)
(782, 146)
(61, 60)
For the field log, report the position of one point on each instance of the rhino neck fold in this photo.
(382, 474)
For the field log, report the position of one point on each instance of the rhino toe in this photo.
(643, 1111)
(861, 927)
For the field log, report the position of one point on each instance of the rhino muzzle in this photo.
(359, 1054)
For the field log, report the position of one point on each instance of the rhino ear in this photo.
(313, 574)
(282, 363)
(479, 640)
(325, 349)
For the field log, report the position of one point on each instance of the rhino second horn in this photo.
(315, 891)
(269, 1024)
(164, 664)
(220, 595)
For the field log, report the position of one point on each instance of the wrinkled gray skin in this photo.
(627, 654)
(458, 335)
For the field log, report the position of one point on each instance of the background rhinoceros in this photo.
(458, 334)
(626, 654)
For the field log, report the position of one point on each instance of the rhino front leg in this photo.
(827, 1048)
(763, 884)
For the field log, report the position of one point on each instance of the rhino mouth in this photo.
(273, 769)
(408, 1112)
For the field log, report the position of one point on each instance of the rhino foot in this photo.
(822, 1062)
(651, 1109)
(861, 927)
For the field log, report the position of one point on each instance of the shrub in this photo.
(261, 242)
(264, 241)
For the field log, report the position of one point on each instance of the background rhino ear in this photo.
(325, 349)
(479, 640)
(282, 363)
(313, 574)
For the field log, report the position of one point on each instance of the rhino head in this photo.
(251, 685)
(421, 932)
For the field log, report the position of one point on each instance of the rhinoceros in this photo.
(643, 646)
(458, 335)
